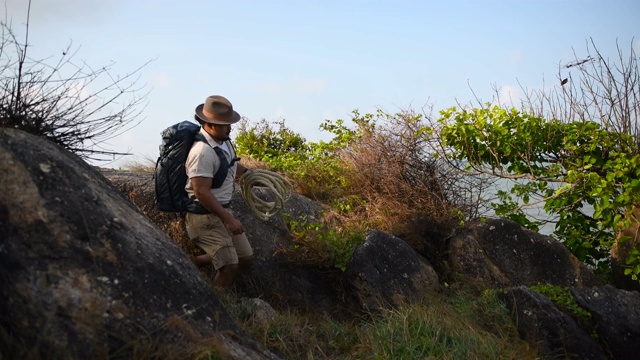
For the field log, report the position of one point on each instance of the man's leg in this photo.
(242, 261)
(243, 249)
(205, 259)
(199, 233)
(209, 233)
(225, 276)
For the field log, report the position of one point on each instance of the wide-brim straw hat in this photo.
(217, 110)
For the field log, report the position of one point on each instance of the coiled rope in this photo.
(279, 187)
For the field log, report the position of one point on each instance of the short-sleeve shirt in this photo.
(204, 162)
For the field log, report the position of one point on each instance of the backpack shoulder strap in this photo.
(234, 154)
(220, 175)
(200, 137)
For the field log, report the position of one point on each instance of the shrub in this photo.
(54, 99)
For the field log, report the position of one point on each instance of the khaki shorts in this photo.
(209, 233)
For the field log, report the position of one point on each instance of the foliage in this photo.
(574, 148)
(446, 329)
(144, 166)
(317, 171)
(595, 87)
(314, 167)
(380, 173)
(566, 165)
(66, 101)
(303, 336)
(632, 262)
(142, 346)
(564, 300)
(334, 244)
(456, 325)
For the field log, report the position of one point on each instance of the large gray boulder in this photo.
(500, 253)
(277, 273)
(386, 272)
(84, 274)
(553, 333)
(616, 314)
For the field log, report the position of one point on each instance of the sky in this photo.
(306, 61)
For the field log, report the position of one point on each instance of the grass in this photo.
(145, 166)
(452, 325)
(455, 324)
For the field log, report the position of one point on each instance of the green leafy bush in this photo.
(335, 244)
(563, 299)
(565, 302)
(313, 167)
(565, 165)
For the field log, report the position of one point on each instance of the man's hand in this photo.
(202, 189)
(234, 226)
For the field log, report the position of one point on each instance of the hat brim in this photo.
(234, 119)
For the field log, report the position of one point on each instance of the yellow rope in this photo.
(279, 187)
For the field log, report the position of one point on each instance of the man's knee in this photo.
(226, 275)
(245, 260)
(229, 269)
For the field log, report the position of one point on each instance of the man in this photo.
(218, 233)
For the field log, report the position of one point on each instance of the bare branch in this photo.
(72, 104)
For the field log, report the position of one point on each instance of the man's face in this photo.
(221, 132)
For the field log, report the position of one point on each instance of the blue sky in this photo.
(307, 61)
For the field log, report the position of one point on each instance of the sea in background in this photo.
(535, 211)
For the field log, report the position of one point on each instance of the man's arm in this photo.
(202, 189)
(240, 170)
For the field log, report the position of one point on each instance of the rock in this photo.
(553, 333)
(274, 275)
(385, 271)
(258, 310)
(616, 314)
(84, 274)
(500, 253)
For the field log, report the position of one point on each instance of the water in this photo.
(534, 211)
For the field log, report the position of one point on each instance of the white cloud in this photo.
(515, 57)
(509, 96)
(204, 79)
(268, 88)
(80, 90)
(309, 86)
(295, 86)
(280, 112)
(161, 79)
(329, 115)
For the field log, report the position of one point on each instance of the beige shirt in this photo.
(204, 162)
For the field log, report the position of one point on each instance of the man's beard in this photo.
(222, 139)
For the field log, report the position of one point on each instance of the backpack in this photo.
(170, 175)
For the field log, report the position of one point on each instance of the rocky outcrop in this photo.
(616, 315)
(500, 253)
(385, 272)
(555, 334)
(610, 331)
(85, 274)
